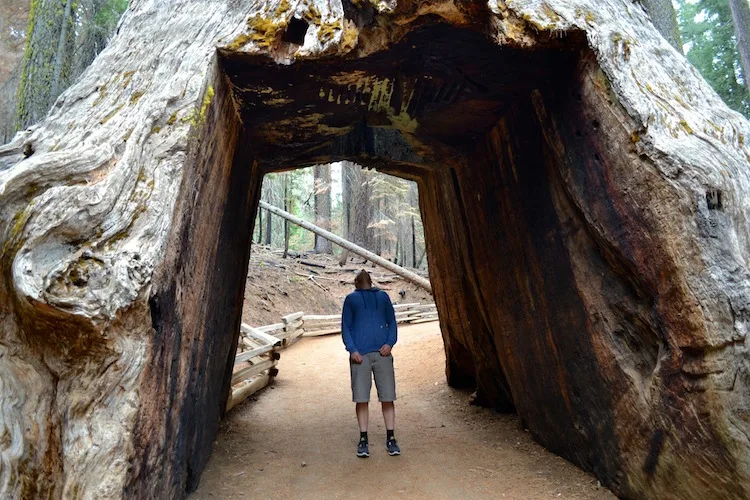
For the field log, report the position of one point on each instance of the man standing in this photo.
(368, 326)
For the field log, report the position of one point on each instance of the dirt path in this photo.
(297, 438)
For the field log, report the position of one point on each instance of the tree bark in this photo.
(741, 18)
(413, 244)
(322, 186)
(587, 229)
(61, 53)
(34, 95)
(286, 207)
(269, 221)
(663, 16)
(346, 197)
(348, 245)
(360, 206)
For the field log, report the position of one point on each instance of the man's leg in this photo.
(385, 381)
(361, 384)
(363, 415)
(389, 415)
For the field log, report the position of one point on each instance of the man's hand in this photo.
(385, 350)
(356, 357)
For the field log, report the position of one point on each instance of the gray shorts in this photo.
(385, 380)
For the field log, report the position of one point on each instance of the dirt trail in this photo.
(297, 439)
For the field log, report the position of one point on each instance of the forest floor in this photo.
(297, 438)
(276, 286)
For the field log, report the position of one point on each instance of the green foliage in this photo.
(109, 14)
(711, 45)
(84, 33)
(390, 208)
(394, 207)
(299, 202)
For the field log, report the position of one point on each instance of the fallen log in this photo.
(312, 264)
(348, 245)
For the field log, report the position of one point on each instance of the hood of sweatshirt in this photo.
(369, 297)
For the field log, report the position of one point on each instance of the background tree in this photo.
(377, 211)
(361, 210)
(62, 38)
(47, 55)
(663, 16)
(741, 17)
(711, 45)
(322, 188)
(14, 19)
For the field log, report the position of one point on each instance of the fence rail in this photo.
(315, 324)
(258, 349)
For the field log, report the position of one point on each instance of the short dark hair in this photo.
(363, 280)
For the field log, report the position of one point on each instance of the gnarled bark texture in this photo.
(584, 193)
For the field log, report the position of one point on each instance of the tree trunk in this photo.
(741, 18)
(421, 258)
(322, 179)
(584, 196)
(413, 243)
(346, 197)
(362, 207)
(34, 93)
(348, 245)
(663, 16)
(269, 221)
(286, 208)
(61, 54)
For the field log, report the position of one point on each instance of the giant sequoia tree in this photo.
(585, 197)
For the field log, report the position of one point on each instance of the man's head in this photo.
(363, 280)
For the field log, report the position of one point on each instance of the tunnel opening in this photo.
(488, 133)
(433, 108)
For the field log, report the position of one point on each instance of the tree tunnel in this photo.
(543, 265)
(583, 193)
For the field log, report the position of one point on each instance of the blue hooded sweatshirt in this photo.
(368, 321)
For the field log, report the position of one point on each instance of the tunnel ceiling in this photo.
(440, 87)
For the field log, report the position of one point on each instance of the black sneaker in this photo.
(363, 449)
(392, 447)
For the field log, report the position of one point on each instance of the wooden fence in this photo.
(315, 325)
(258, 349)
(258, 353)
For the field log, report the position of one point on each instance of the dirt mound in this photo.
(313, 283)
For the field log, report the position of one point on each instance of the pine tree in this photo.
(711, 45)
(663, 17)
(322, 192)
(63, 37)
(741, 18)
